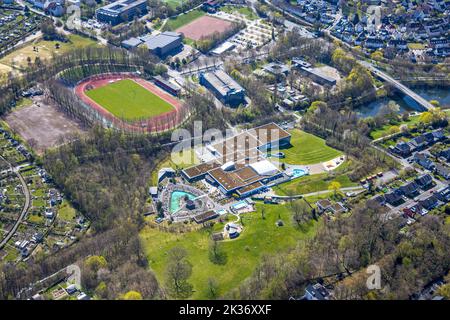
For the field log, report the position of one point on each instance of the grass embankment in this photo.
(260, 237)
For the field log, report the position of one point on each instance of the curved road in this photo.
(25, 208)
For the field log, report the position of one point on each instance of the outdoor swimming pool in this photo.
(175, 199)
(296, 173)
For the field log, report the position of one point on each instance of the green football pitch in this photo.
(128, 100)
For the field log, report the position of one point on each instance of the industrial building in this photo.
(223, 87)
(164, 43)
(121, 11)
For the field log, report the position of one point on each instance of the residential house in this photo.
(423, 160)
(445, 155)
(410, 189)
(439, 134)
(443, 171)
(403, 149)
(337, 208)
(443, 194)
(418, 143)
(394, 198)
(430, 203)
(323, 205)
(425, 181)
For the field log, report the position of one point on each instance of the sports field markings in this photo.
(128, 100)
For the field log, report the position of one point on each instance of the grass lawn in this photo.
(307, 149)
(128, 100)
(312, 183)
(247, 12)
(24, 102)
(173, 3)
(46, 49)
(243, 254)
(66, 212)
(181, 20)
(384, 131)
(316, 182)
(416, 46)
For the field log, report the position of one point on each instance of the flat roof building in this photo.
(225, 88)
(239, 166)
(167, 85)
(121, 11)
(164, 43)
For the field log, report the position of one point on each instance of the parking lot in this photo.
(256, 34)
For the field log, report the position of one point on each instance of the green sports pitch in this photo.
(128, 100)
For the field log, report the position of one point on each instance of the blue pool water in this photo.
(296, 173)
(239, 205)
(175, 199)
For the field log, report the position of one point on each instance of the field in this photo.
(42, 125)
(384, 131)
(173, 3)
(307, 149)
(204, 27)
(181, 20)
(243, 254)
(246, 11)
(128, 100)
(45, 50)
(311, 184)
(4, 68)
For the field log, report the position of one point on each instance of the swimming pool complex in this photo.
(296, 173)
(175, 198)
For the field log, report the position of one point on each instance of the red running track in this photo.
(162, 122)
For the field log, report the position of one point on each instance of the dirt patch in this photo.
(42, 125)
(204, 27)
(329, 71)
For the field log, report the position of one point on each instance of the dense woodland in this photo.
(347, 246)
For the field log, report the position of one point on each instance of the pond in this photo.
(406, 104)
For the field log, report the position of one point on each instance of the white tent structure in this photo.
(264, 168)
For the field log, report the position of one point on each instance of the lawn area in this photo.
(24, 102)
(416, 46)
(181, 20)
(384, 131)
(246, 11)
(173, 3)
(312, 183)
(128, 100)
(4, 68)
(46, 49)
(307, 149)
(243, 254)
(316, 182)
(66, 212)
